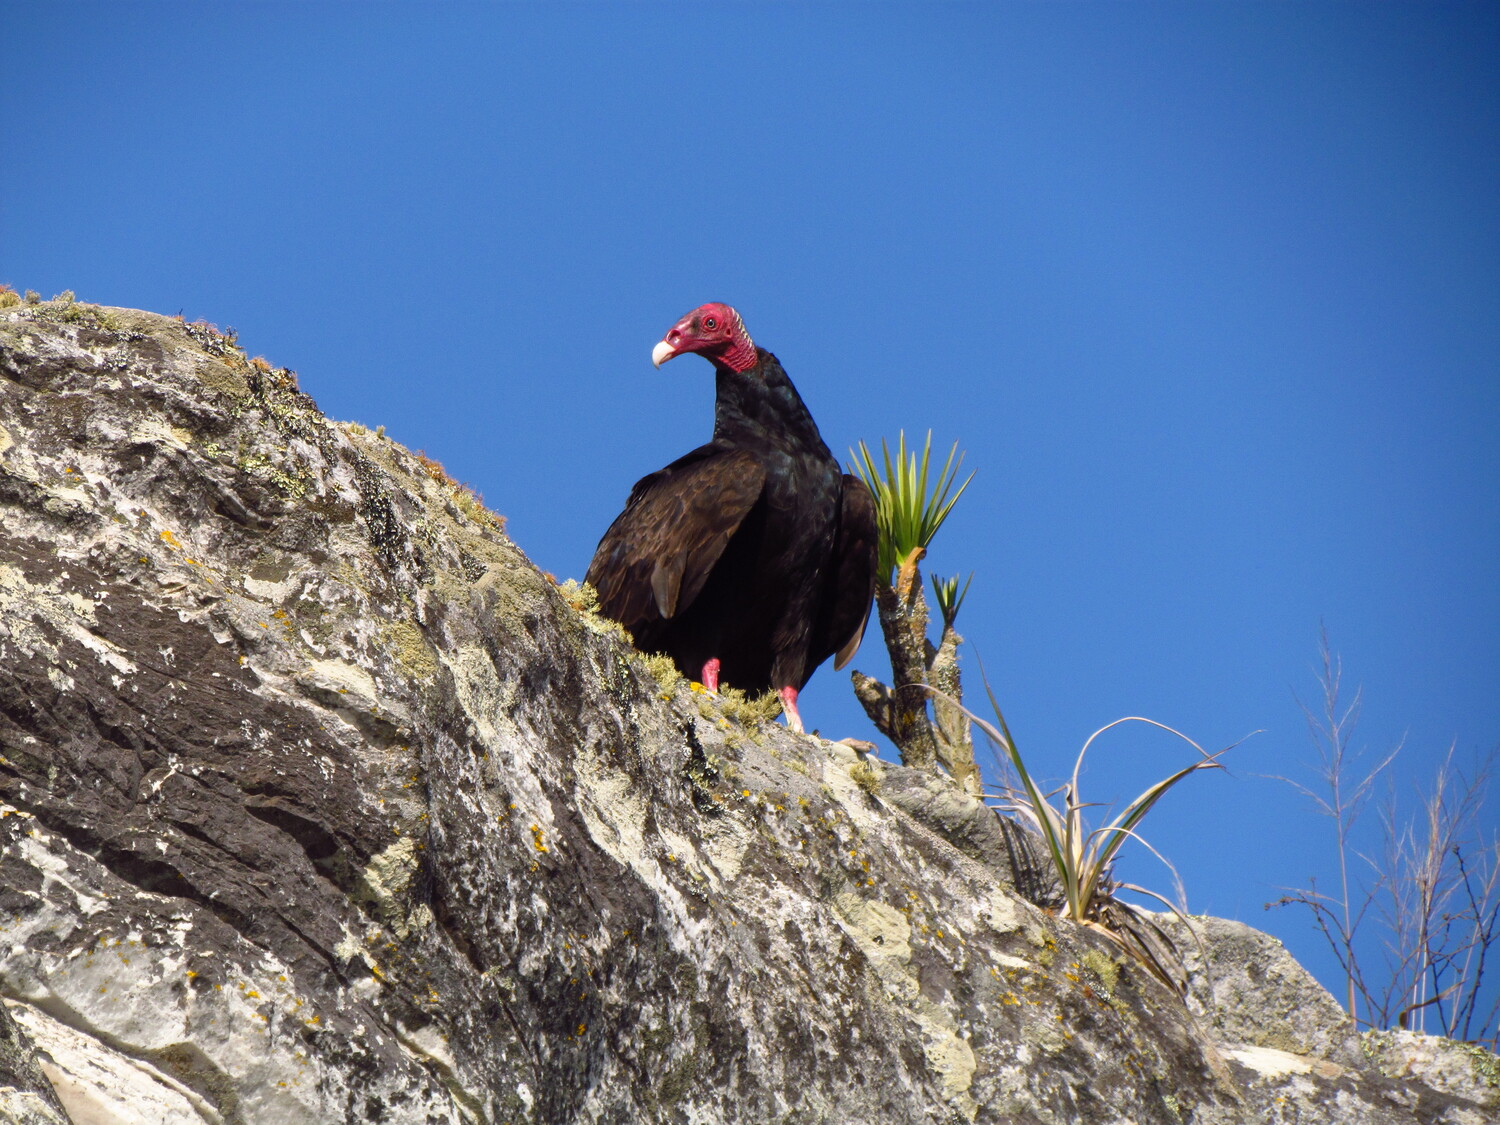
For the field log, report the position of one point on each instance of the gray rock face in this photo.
(1296, 1053)
(1460, 1069)
(318, 803)
(1250, 992)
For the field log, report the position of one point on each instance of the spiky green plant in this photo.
(1083, 858)
(910, 507)
(907, 510)
(950, 598)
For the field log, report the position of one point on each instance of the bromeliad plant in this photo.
(910, 507)
(1083, 858)
(908, 511)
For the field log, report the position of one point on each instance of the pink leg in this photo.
(711, 675)
(789, 705)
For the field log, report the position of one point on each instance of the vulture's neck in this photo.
(759, 407)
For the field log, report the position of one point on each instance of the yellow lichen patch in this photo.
(406, 642)
(865, 776)
(537, 839)
(662, 670)
(1104, 969)
(880, 930)
(387, 878)
(748, 711)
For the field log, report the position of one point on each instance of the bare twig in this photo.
(1434, 889)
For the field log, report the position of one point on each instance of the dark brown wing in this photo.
(656, 556)
(851, 586)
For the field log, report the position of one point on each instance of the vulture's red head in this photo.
(715, 332)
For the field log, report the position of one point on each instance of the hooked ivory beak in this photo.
(661, 353)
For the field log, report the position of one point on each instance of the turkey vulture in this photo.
(750, 560)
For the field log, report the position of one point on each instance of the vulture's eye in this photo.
(710, 322)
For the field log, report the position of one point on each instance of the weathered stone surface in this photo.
(26, 1096)
(1015, 854)
(322, 805)
(1461, 1070)
(1296, 1053)
(1250, 992)
(1287, 1089)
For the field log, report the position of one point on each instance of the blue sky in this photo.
(1210, 294)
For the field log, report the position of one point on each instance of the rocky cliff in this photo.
(319, 803)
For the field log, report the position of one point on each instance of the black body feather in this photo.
(754, 549)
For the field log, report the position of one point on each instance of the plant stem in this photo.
(903, 620)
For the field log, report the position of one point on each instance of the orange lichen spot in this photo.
(536, 838)
(169, 539)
